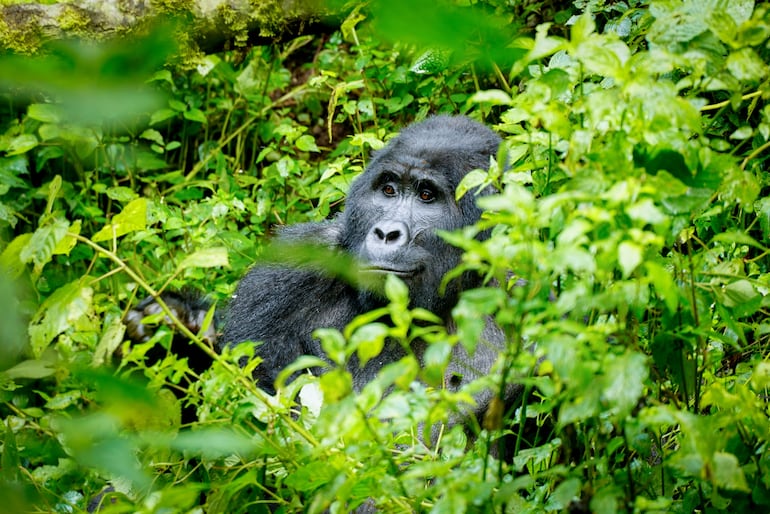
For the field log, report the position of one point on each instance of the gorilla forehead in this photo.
(450, 145)
(408, 169)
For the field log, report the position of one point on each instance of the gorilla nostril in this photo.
(393, 235)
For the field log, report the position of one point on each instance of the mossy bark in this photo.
(210, 25)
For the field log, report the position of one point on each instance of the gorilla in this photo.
(393, 212)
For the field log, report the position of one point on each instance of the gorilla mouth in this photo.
(389, 270)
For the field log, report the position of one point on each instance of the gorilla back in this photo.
(393, 212)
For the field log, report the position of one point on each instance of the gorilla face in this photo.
(407, 194)
(406, 206)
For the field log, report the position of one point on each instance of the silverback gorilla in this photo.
(389, 225)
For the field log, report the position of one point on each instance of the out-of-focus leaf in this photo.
(12, 339)
(47, 113)
(369, 341)
(206, 258)
(467, 31)
(213, 443)
(746, 65)
(95, 441)
(36, 368)
(11, 262)
(306, 143)
(20, 144)
(92, 82)
(629, 257)
(195, 115)
(491, 97)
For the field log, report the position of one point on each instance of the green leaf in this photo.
(582, 28)
(630, 256)
(746, 65)
(677, 22)
(435, 360)
(646, 211)
(152, 135)
(348, 27)
(472, 180)
(739, 10)
(63, 400)
(133, 217)
(177, 105)
(728, 474)
(741, 133)
(33, 368)
(66, 244)
(148, 161)
(604, 56)
(94, 442)
(471, 313)
(491, 97)
(44, 242)
(564, 494)
(10, 259)
(302, 363)
(20, 144)
(664, 285)
(737, 237)
(333, 344)
(396, 291)
(195, 115)
(216, 257)
(111, 338)
(162, 115)
(431, 62)
(58, 313)
(742, 297)
(369, 341)
(306, 143)
(213, 443)
(367, 138)
(121, 194)
(625, 377)
(311, 476)
(336, 384)
(47, 113)
(49, 132)
(162, 75)
(10, 465)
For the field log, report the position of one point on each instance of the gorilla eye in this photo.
(426, 195)
(389, 190)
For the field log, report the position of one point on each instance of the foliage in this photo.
(627, 264)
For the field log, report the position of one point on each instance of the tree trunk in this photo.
(211, 25)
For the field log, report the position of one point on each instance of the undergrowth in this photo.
(627, 264)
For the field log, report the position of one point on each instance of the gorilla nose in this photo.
(390, 233)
